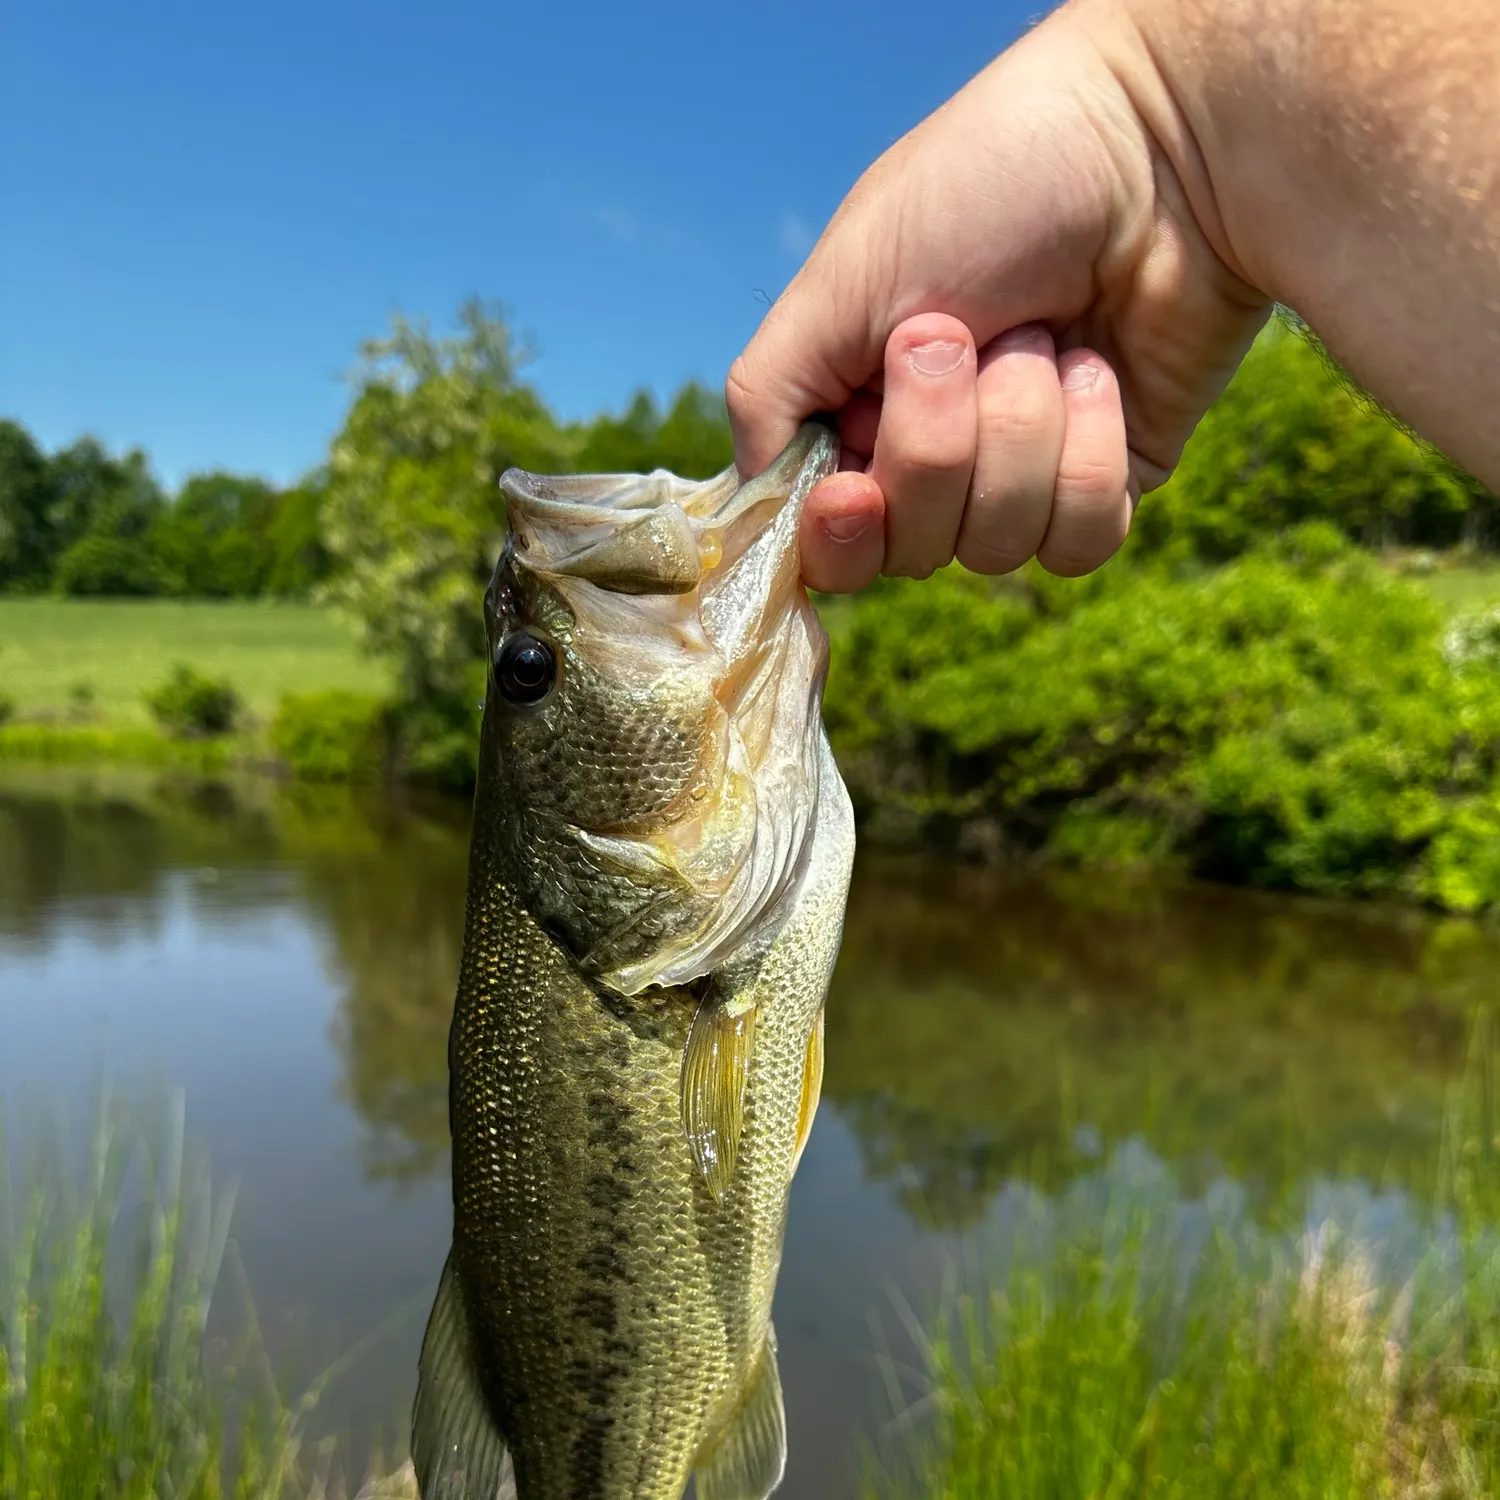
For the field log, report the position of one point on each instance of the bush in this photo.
(7, 709)
(332, 736)
(1289, 720)
(190, 705)
(111, 566)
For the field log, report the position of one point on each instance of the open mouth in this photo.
(656, 533)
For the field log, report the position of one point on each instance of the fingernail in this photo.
(846, 528)
(1083, 376)
(939, 357)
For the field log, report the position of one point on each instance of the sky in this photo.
(205, 207)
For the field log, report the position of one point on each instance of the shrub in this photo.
(332, 736)
(111, 566)
(190, 705)
(1289, 720)
(7, 709)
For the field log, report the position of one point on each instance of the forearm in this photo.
(1351, 153)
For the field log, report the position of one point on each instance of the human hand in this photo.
(1020, 313)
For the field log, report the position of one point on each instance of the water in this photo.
(289, 960)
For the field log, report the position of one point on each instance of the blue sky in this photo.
(204, 207)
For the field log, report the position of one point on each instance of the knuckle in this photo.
(920, 454)
(1090, 482)
(739, 389)
(1019, 418)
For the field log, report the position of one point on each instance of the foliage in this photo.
(1288, 720)
(189, 705)
(26, 521)
(7, 709)
(332, 736)
(100, 745)
(213, 540)
(111, 567)
(1291, 441)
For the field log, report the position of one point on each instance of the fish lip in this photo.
(562, 525)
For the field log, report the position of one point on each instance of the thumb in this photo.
(815, 347)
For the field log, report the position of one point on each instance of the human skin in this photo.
(1023, 308)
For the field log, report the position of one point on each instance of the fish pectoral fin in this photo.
(715, 1071)
(457, 1451)
(812, 1090)
(748, 1461)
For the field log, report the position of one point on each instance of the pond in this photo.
(288, 959)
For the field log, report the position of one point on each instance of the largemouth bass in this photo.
(660, 860)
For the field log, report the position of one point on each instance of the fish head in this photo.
(652, 718)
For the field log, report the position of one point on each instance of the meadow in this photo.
(95, 659)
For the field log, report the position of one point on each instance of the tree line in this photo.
(85, 521)
(403, 517)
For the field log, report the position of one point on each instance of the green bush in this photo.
(1290, 720)
(332, 736)
(111, 566)
(7, 709)
(190, 705)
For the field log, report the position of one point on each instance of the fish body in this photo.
(660, 860)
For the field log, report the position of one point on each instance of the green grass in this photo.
(1281, 1365)
(111, 1387)
(119, 649)
(1465, 587)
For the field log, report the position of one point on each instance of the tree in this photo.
(413, 517)
(27, 499)
(215, 537)
(1292, 440)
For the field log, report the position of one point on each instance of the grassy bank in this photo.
(113, 1383)
(114, 651)
(1135, 1344)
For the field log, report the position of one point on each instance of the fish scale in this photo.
(603, 1328)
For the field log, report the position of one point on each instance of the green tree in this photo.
(1292, 440)
(103, 514)
(215, 538)
(413, 517)
(300, 560)
(27, 497)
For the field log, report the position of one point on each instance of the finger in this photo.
(1021, 424)
(843, 534)
(924, 449)
(1091, 501)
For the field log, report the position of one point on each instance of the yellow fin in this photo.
(715, 1070)
(749, 1460)
(812, 1090)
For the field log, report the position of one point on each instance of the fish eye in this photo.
(525, 668)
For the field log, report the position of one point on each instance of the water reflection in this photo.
(992, 1038)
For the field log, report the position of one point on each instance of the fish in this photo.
(658, 871)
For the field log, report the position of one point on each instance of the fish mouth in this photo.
(655, 533)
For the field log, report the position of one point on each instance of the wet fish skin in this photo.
(604, 1326)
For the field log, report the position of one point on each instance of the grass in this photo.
(110, 1387)
(117, 649)
(1102, 1360)
(1462, 587)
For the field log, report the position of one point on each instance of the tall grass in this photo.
(108, 1390)
(1158, 1349)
